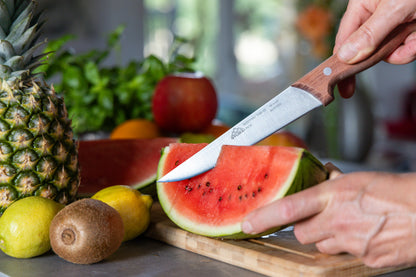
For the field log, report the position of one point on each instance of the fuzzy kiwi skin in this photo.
(86, 231)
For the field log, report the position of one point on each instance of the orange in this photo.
(215, 130)
(136, 128)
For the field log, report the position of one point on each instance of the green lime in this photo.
(24, 226)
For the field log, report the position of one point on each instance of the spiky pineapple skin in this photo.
(38, 155)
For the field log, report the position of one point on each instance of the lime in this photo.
(24, 226)
(133, 207)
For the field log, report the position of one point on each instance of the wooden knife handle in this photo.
(321, 80)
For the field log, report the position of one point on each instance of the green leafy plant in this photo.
(99, 97)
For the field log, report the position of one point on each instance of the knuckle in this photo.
(366, 35)
(287, 211)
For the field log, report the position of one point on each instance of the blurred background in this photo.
(252, 50)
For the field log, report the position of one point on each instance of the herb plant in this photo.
(99, 97)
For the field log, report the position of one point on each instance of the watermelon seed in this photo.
(210, 190)
(240, 197)
(254, 194)
(219, 199)
(188, 188)
(208, 184)
(245, 195)
(259, 189)
(239, 187)
(199, 186)
(177, 162)
(266, 176)
(203, 193)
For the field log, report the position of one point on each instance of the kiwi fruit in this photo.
(86, 231)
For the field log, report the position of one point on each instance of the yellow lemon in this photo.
(133, 207)
(24, 226)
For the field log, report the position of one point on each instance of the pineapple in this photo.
(38, 155)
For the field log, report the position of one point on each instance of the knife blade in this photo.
(313, 90)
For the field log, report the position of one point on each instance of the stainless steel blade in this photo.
(281, 110)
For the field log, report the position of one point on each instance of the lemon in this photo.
(24, 226)
(133, 207)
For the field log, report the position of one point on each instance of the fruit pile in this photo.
(83, 232)
(185, 105)
(184, 108)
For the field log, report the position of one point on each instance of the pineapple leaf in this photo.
(10, 5)
(22, 12)
(22, 42)
(4, 16)
(6, 49)
(15, 62)
(18, 29)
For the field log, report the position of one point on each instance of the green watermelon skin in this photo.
(129, 162)
(214, 203)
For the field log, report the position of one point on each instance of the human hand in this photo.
(370, 215)
(363, 27)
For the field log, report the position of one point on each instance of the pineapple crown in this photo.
(19, 32)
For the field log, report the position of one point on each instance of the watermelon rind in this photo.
(305, 172)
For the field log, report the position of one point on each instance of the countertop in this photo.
(140, 257)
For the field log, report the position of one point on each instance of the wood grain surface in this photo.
(279, 254)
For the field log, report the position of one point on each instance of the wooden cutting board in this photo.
(279, 254)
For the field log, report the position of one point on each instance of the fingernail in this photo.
(246, 227)
(347, 52)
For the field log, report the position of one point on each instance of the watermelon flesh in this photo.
(214, 203)
(108, 162)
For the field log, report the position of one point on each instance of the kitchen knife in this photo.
(309, 92)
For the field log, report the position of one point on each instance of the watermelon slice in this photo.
(131, 162)
(214, 203)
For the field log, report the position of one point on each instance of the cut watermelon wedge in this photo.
(131, 162)
(245, 178)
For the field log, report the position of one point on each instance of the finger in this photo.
(406, 53)
(369, 35)
(287, 210)
(346, 87)
(352, 19)
(311, 230)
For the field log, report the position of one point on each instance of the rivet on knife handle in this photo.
(321, 81)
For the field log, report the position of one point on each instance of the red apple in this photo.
(185, 102)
